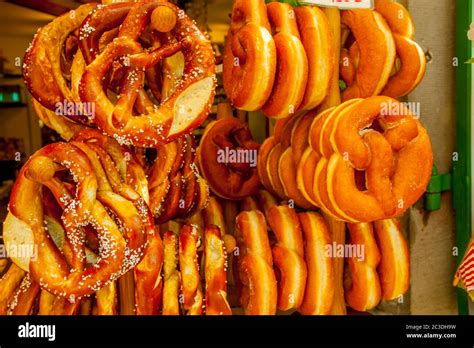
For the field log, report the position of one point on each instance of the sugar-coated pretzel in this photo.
(85, 208)
(42, 71)
(224, 157)
(215, 269)
(317, 40)
(182, 111)
(148, 278)
(189, 268)
(171, 276)
(259, 288)
(377, 52)
(288, 256)
(266, 201)
(364, 291)
(292, 63)
(320, 284)
(394, 267)
(105, 301)
(249, 56)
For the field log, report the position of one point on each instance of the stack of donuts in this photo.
(280, 60)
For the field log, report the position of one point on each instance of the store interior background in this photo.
(431, 235)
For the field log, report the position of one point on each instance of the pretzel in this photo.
(148, 281)
(249, 204)
(181, 112)
(320, 284)
(106, 300)
(171, 276)
(412, 58)
(50, 304)
(81, 211)
(317, 40)
(259, 292)
(24, 300)
(10, 281)
(307, 164)
(128, 174)
(377, 53)
(288, 256)
(392, 187)
(292, 63)
(272, 169)
(463, 277)
(266, 201)
(289, 160)
(249, 56)
(333, 97)
(363, 292)
(230, 177)
(394, 267)
(42, 71)
(263, 153)
(287, 174)
(215, 268)
(189, 268)
(214, 215)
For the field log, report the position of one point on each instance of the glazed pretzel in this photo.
(215, 269)
(17, 292)
(394, 267)
(412, 58)
(377, 53)
(317, 40)
(42, 70)
(81, 211)
(226, 178)
(288, 256)
(189, 268)
(255, 264)
(171, 276)
(364, 291)
(320, 284)
(182, 111)
(176, 187)
(292, 73)
(249, 56)
(386, 155)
